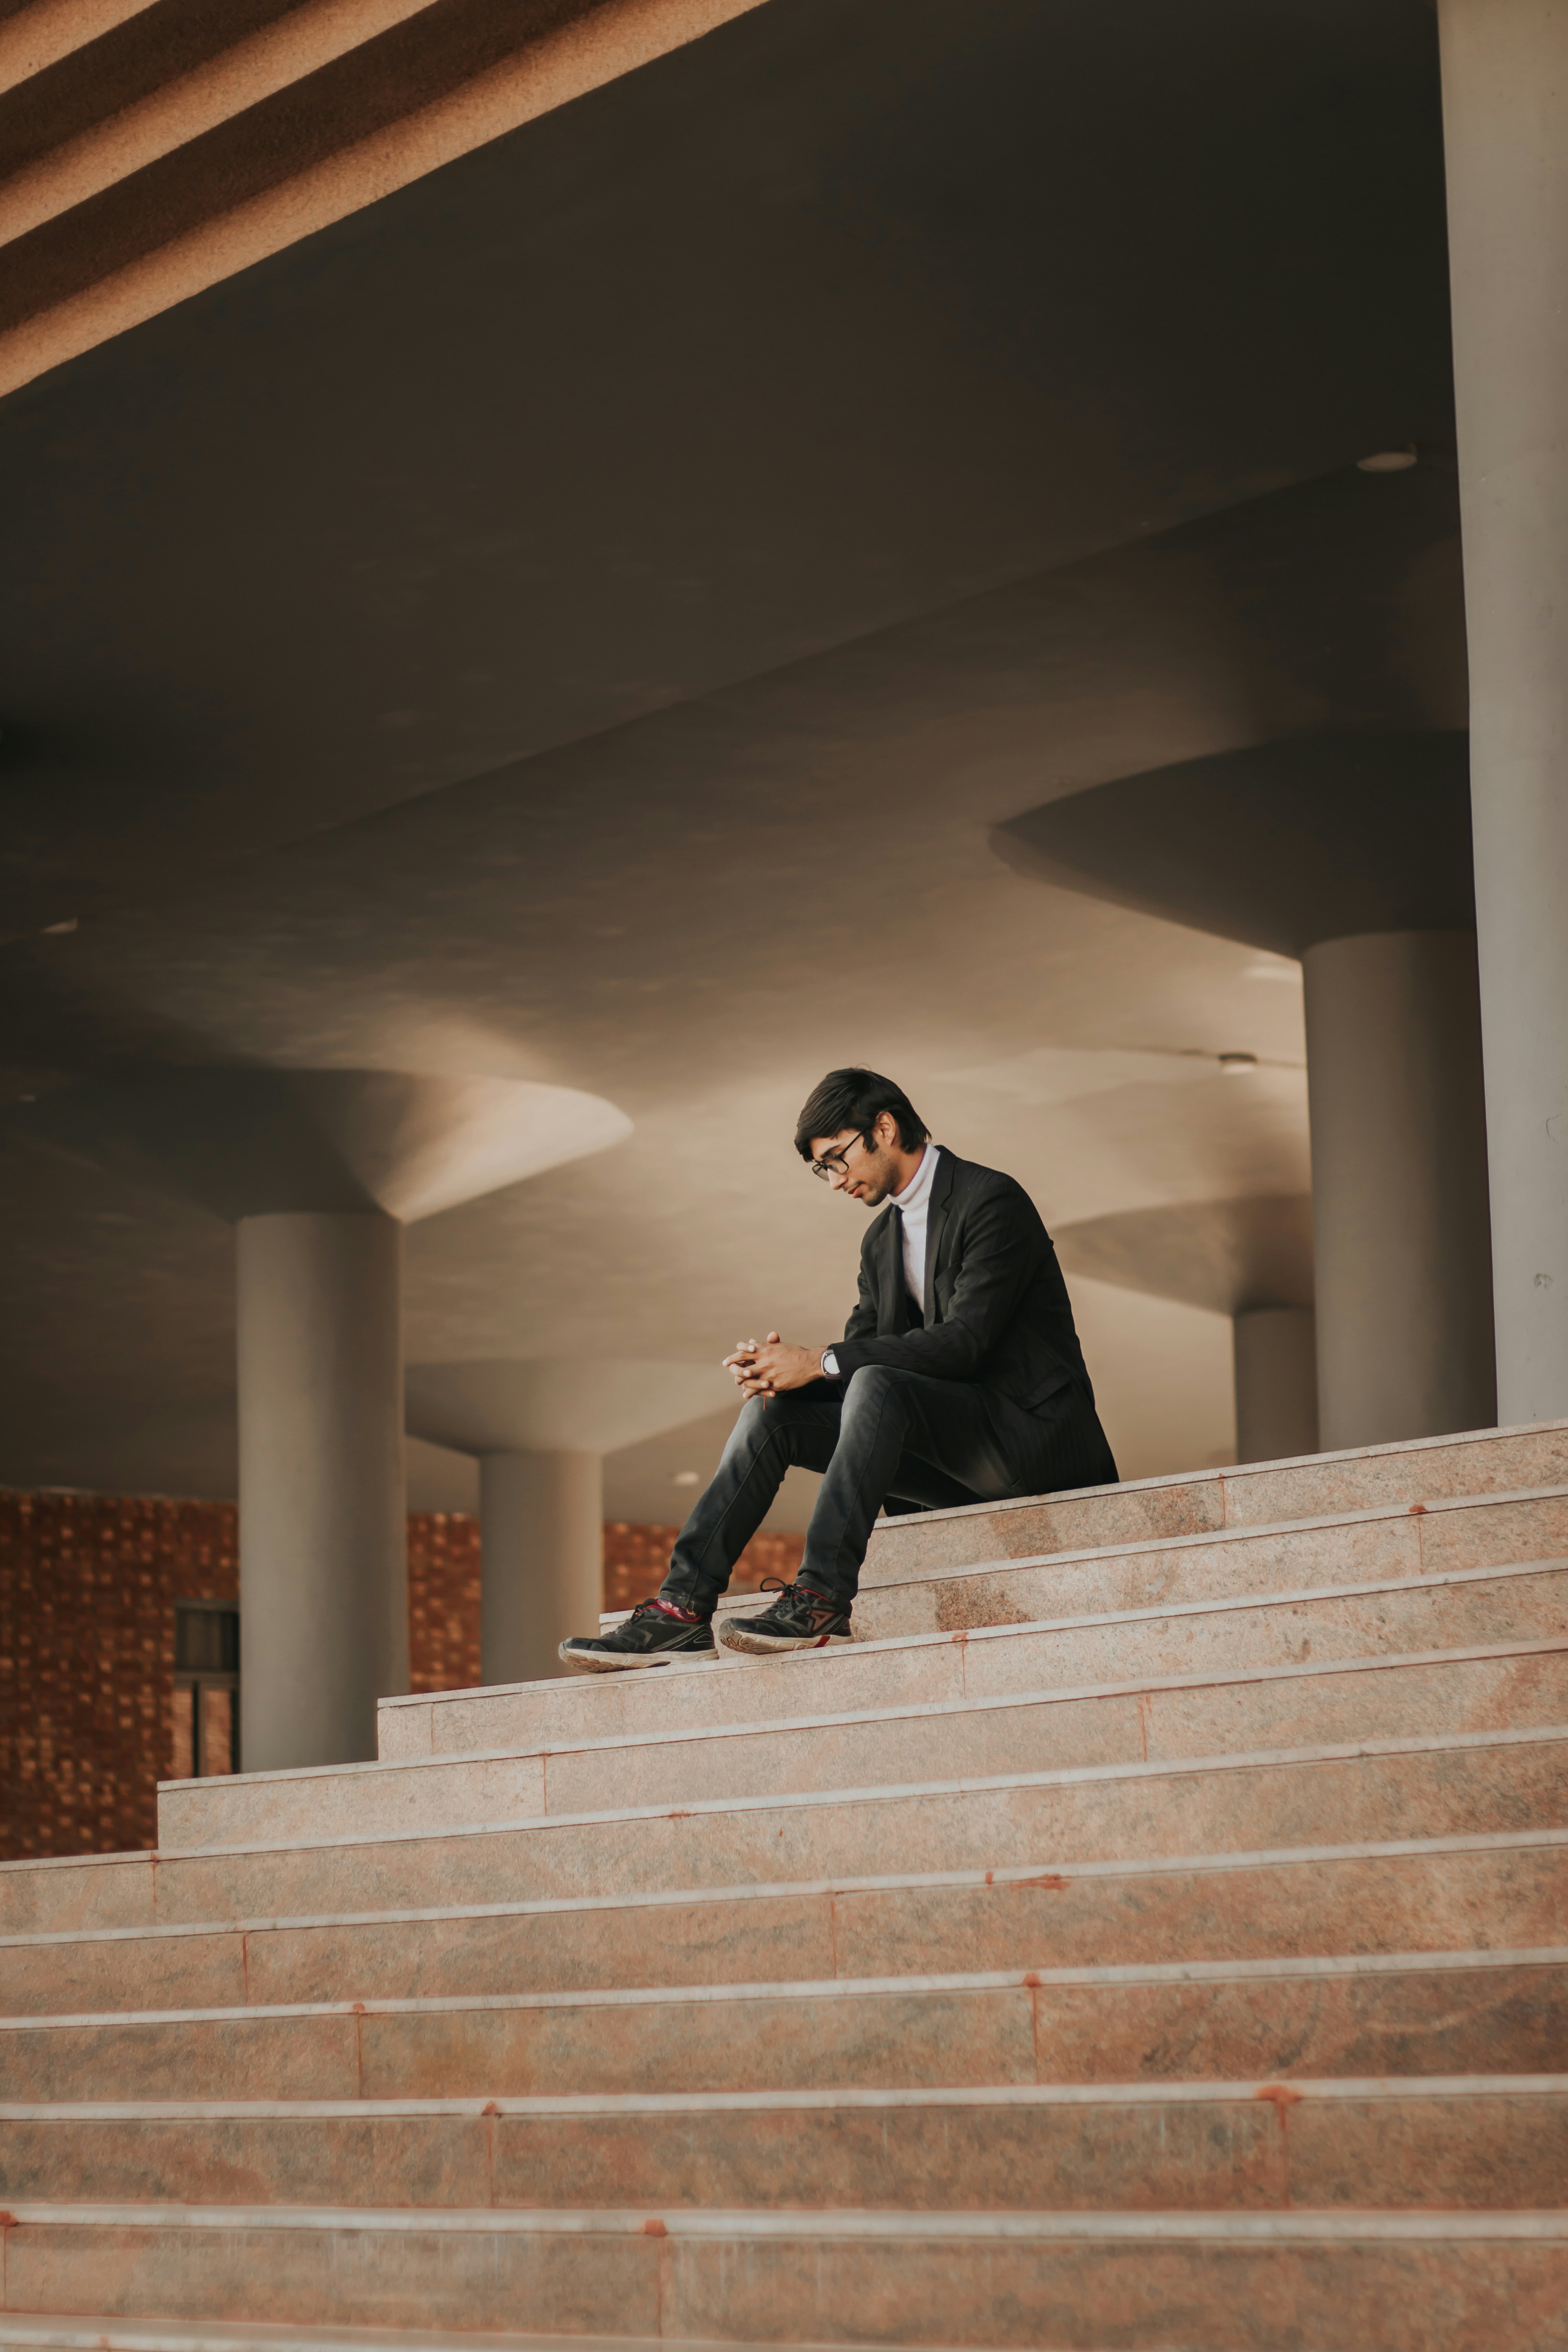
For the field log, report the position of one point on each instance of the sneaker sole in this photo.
(767, 1645)
(599, 1662)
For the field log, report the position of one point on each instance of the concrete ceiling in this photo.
(580, 619)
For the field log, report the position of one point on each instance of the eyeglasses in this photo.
(836, 1163)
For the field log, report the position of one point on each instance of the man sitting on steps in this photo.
(959, 1379)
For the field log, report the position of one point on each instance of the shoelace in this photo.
(802, 1593)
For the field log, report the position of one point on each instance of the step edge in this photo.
(1314, 1968)
(1007, 1874)
(1345, 2225)
(1371, 2090)
(73, 2332)
(132, 1857)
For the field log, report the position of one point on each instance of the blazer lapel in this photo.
(936, 1218)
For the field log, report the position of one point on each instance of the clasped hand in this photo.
(766, 1369)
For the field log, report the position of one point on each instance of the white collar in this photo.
(914, 1196)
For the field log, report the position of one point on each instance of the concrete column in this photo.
(323, 1575)
(1399, 1188)
(1275, 1384)
(541, 1519)
(1505, 107)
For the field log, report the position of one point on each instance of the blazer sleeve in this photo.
(995, 1267)
(862, 1315)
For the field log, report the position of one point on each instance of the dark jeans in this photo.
(881, 1434)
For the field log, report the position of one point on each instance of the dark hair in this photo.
(856, 1098)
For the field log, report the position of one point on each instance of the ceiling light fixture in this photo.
(1388, 461)
(684, 1478)
(1237, 1065)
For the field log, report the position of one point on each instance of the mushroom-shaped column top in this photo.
(1280, 846)
(1231, 1256)
(566, 1404)
(263, 1143)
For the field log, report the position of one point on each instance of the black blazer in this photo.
(996, 1309)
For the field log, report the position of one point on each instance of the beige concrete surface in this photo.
(1401, 1235)
(1169, 1634)
(1458, 1532)
(1250, 1494)
(1443, 2143)
(468, 2026)
(1478, 2282)
(1505, 114)
(1445, 1784)
(1395, 1658)
(1492, 1891)
(1404, 2014)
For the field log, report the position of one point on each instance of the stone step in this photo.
(1254, 1494)
(1348, 1549)
(1369, 1790)
(101, 2332)
(1342, 1548)
(1497, 1892)
(1077, 2282)
(1162, 1718)
(1449, 2142)
(1249, 1629)
(1407, 2014)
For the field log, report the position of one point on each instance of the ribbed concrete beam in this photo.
(149, 152)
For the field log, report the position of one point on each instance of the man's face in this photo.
(861, 1169)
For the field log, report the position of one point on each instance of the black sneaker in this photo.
(798, 1619)
(649, 1637)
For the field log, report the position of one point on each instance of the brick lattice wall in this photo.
(88, 1588)
(443, 1600)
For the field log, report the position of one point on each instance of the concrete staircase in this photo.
(1153, 1934)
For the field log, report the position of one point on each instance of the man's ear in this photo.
(885, 1129)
